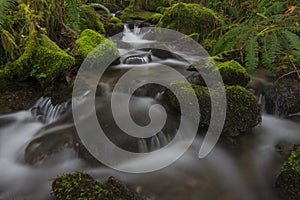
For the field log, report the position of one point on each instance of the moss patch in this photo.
(288, 182)
(191, 18)
(134, 13)
(42, 59)
(114, 26)
(82, 186)
(243, 110)
(92, 20)
(233, 73)
(87, 41)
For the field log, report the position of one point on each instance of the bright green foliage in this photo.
(243, 109)
(155, 18)
(233, 73)
(4, 6)
(100, 6)
(263, 41)
(42, 59)
(191, 18)
(87, 41)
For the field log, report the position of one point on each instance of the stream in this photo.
(242, 168)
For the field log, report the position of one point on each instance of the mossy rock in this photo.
(152, 5)
(233, 73)
(42, 59)
(191, 18)
(155, 18)
(89, 41)
(288, 182)
(83, 186)
(134, 13)
(114, 26)
(92, 20)
(78, 186)
(243, 109)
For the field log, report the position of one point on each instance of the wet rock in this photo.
(83, 186)
(138, 59)
(48, 145)
(282, 98)
(288, 181)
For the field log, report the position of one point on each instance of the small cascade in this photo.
(134, 36)
(46, 112)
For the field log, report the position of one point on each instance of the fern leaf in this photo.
(4, 6)
(269, 50)
(292, 39)
(100, 6)
(251, 54)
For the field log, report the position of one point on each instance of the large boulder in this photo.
(191, 18)
(243, 109)
(83, 186)
(288, 182)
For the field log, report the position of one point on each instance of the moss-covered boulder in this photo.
(243, 109)
(152, 5)
(288, 182)
(42, 59)
(233, 73)
(83, 186)
(87, 41)
(92, 19)
(191, 18)
(114, 26)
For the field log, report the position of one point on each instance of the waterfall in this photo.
(46, 112)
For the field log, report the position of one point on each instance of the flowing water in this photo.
(243, 168)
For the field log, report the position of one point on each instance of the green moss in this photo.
(81, 186)
(77, 186)
(233, 73)
(207, 43)
(87, 41)
(92, 20)
(191, 18)
(94, 45)
(134, 13)
(288, 182)
(243, 110)
(114, 26)
(155, 18)
(42, 59)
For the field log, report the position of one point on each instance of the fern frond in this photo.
(73, 8)
(9, 45)
(251, 54)
(100, 6)
(292, 39)
(270, 48)
(4, 6)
